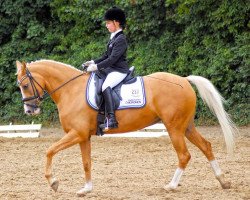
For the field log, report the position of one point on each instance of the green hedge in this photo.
(208, 38)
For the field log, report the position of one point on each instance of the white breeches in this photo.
(113, 79)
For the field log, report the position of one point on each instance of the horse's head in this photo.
(31, 86)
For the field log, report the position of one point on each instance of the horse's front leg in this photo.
(70, 139)
(86, 159)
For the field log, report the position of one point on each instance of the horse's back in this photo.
(168, 92)
(170, 83)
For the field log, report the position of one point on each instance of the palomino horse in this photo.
(170, 99)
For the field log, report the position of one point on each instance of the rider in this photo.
(113, 63)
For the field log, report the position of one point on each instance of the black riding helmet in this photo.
(116, 14)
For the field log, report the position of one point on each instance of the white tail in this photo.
(214, 100)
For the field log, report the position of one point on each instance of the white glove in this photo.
(92, 67)
(89, 63)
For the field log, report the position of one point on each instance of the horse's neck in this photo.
(55, 75)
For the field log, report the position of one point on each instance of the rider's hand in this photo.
(88, 63)
(92, 67)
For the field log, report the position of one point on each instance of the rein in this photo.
(35, 90)
(53, 91)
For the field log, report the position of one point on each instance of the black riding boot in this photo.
(110, 121)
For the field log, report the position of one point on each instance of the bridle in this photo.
(36, 95)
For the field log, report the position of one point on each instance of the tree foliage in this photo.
(207, 38)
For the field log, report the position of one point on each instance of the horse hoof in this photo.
(226, 185)
(55, 185)
(169, 188)
(83, 192)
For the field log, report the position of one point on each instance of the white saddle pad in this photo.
(133, 95)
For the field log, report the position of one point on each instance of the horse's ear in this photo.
(21, 68)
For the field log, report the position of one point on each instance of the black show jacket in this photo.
(114, 59)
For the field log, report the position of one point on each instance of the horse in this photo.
(170, 99)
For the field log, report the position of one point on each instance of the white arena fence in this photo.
(33, 131)
(24, 131)
(156, 130)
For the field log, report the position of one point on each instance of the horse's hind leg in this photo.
(195, 137)
(178, 141)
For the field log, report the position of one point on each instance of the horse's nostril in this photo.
(28, 111)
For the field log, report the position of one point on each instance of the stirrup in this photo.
(107, 126)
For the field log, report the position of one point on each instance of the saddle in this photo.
(116, 91)
(127, 94)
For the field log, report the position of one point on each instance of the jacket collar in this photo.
(113, 34)
(116, 35)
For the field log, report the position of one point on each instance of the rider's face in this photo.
(112, 25)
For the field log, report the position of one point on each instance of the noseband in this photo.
(36, 93)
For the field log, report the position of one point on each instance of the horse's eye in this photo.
(26, 86)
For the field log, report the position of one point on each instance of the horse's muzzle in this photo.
(31, 109)
(33, 112)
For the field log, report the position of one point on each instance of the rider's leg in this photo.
(110, 121)
(113, 79)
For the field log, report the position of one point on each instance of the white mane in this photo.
(52, 61)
